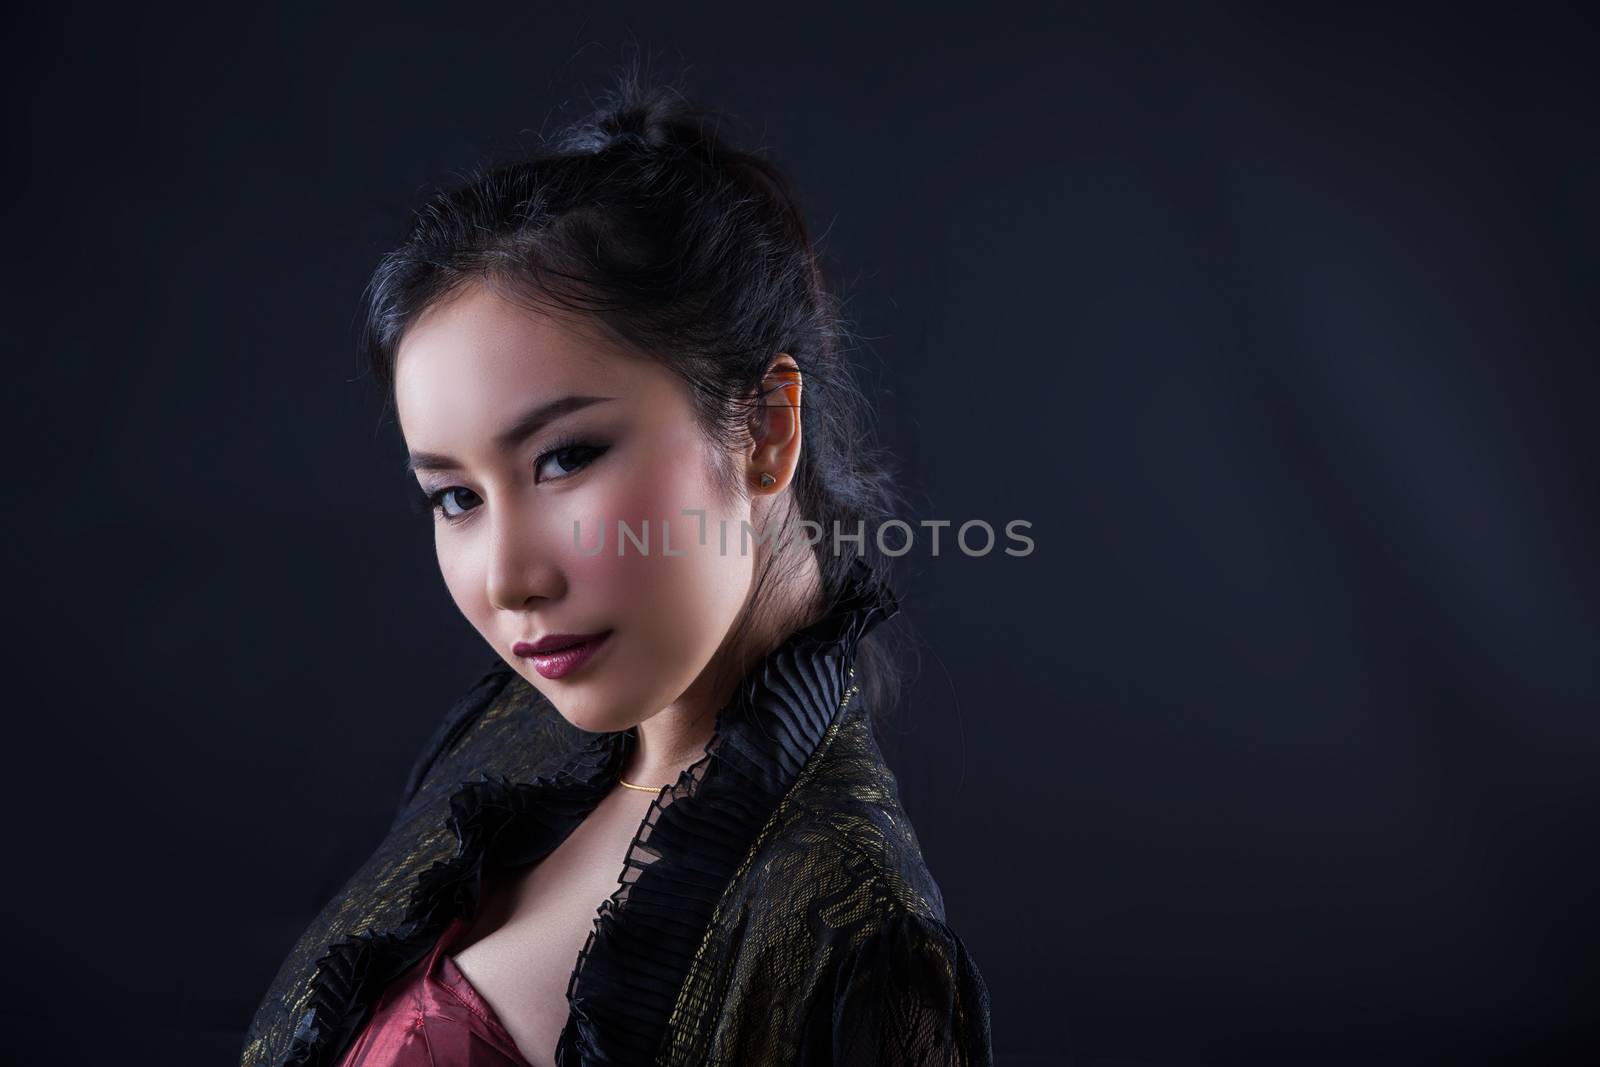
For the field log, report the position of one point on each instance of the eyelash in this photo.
(434, 502)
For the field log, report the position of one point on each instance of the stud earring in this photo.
(767, 479)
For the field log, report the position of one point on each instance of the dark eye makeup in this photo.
(570, 456)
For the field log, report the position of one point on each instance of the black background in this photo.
(1278, 326)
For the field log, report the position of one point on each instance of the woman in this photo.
(616, 372)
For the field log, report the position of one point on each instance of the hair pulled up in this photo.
(692, 251)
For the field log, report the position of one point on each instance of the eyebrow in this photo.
(521, 428)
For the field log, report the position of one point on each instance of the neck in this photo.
(676, 736)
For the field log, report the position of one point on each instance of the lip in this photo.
(558, 655)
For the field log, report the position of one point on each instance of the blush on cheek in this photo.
(646, 503)
(643, 588)
(629, 583)
(602, 582)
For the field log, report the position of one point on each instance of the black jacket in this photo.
(774, 907)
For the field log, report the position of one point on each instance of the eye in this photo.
(563, 461)
(437, 502)
(568, 459)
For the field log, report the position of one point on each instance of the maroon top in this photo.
(432, 1017)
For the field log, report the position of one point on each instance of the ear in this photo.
(775, 428)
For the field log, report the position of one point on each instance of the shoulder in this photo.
(909, 992)
(499, 725)
(844, 827)
(841, 904)
(466, 710)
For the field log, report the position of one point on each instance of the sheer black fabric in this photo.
(908, 994)
(773, 908)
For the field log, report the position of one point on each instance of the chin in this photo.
(589, 718)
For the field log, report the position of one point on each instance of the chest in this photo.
(520, 951)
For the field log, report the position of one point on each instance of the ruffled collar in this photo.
(688, 850)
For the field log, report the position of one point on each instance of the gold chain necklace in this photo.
(646, 788)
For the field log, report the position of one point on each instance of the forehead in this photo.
(479, 354)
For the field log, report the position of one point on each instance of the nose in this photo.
(521, 568)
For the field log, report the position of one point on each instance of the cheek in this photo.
(651, 587)
(463, 577)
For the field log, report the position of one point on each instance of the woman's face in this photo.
(628, 450)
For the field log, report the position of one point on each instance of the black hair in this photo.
(646, 217)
